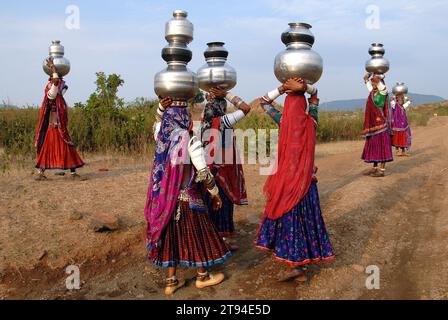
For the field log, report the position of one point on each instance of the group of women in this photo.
(192, 193)
(385, 125)
(196, 178)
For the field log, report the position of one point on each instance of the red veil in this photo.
(292, 179)
(376, 119)
(61, 110)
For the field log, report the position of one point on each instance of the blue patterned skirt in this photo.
(223, 218)
(300, 236)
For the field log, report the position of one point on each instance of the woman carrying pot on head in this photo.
(377, 126)
(54, 147)
(223, 158)
(292, 226)
(402, 132)
(179, 230)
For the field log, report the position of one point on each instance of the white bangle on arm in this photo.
(230, 119)
(156, 128)
(196, 152)
(159, 113)
(271, 95)
(53, 92)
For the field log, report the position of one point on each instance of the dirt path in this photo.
(398, 223)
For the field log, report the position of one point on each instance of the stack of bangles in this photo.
(207, 178)
(236, 101)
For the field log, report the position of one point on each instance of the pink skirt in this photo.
(378, 148)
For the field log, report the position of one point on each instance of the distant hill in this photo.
(353, 104)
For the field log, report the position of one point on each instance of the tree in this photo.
(106, 93)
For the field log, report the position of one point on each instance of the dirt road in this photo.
(398, 223)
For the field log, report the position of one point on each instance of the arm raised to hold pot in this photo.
(163, 104)
(230, 119)
(203, 174)
(313, 106)
(407, 104)
(266, 104)
(382, 88)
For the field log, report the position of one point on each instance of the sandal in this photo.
(172, 285)
(371, 171)
(379, 174)
(40, 177)
(206, 279)
(293, 274)
(77, 177)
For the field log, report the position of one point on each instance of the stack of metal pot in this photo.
(377, 64)
(400, 89)
(61, 63)
(298, 59)
(177, 81)
(216, 72)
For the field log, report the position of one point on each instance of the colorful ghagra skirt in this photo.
(299, 237)
(223, 218)
(192, 241)
(56, 154)
(378, 148)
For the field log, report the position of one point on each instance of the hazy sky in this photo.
(126, 37)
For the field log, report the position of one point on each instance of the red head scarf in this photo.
(292, 178)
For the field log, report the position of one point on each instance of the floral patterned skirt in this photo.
(300, 236)
(192, 241)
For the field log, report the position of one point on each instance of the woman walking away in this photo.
(292, 226)
(54, 147)
(218, 136)
(377, 126)
(179, 230)
(402, 132)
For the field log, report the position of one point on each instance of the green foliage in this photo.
(105, 124)
(106, 93)
(418, 118)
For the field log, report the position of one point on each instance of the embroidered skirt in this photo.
(378, 148)
(300, 236)
(223, 218)
(193, 241)
(56, 154)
